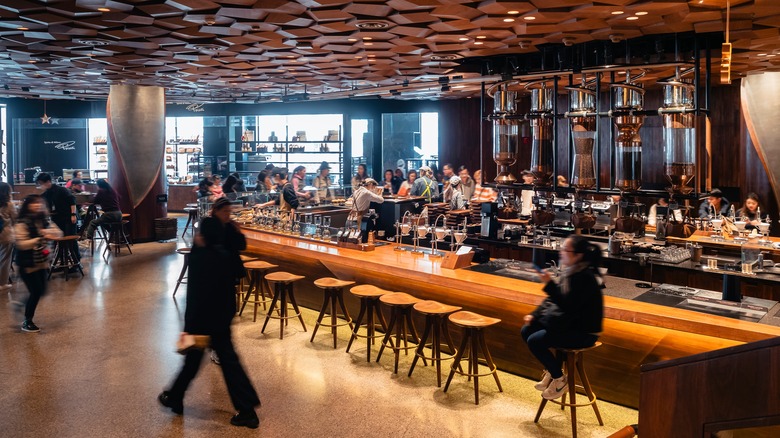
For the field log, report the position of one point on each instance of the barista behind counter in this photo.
(288, 201)
(364, 196)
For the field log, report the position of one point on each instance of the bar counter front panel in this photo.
(635, 333)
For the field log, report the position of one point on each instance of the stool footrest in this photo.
(463, 373)
(577, 405)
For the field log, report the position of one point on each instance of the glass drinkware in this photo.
(542, 153)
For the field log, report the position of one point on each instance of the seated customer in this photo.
(108, 200)
(715, 204)
(75, 184)
(750, 211)
(661, 209)
(570, 316)
(204, 189)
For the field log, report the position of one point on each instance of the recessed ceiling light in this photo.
(104, 9)
(617, 12)
(508, 20)
(761, 54)
(481, 37)
(529, 18)
(367, 38)
(368, 44)
(22, 28)
(632, 18)
(478, 43)
(358, 56)
(371, 56)
(352, 39)
(291, 56)
(463, 39)
(641, 13)
(371, 59)
(513, 12)
(32, 61)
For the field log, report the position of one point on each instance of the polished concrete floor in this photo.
(105, 351)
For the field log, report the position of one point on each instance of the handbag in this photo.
(680, 229)
(188, 342)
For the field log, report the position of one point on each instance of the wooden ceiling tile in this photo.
(161, 10)
(189, 5)
(709, 26)
(287, 20)
(340, 48)
(327, 15)
(243, 13)
(368, 9)
(498, 7)
(298, 33)
(413, 5)
(283, 6)
(412, 31)
(221, 30)
(334, 27)
(146, 31)
(456, 12)
(404, 18)
(245, 40)
(45, 18)
(412, 50)
(274, 45)
(580, 24)
(118, 34)
(452, 26)
(172, 23)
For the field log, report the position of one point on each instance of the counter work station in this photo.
(665, 298)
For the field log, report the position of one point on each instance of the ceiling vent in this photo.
(444, 57)
(94, 42)
(372, 25)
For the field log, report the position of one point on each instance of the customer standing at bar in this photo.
(215, 268)
(570, 316)
(108, 200)
(467, 185)
(33, 232)
(8, 216)
(406, 186)
(322, 183)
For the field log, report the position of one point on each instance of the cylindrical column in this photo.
(136, 136)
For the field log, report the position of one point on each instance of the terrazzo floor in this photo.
(106, 350)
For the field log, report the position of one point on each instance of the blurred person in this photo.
(216, 189)
(457, 201)
(108, 200)
(387, 183)
(33, 233)
(7, 236)
(467, 184)
(239, 186)
(482, 194)
(215, 269)
(562, 181)
(298, 182)
(229, 187)
(322, 182)
(75, 184)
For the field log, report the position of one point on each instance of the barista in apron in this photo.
(362, 199)
(288, 200)
(425, 186)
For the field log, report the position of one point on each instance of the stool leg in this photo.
(189, 218)
(388, 334)
(370, 329)
(588, 389)
(271, 307)
(248, 292)
(539, 411)
(283, 308)
(181, 274)
(572, 392)
(333, 314)
(456, 359)
(295, 306)
(448, 337)
(344, 310)
(321, 315)
(359, 321)
(474, 359)
(436, 348)
(489, 359)
(401, 333)
(421, 346)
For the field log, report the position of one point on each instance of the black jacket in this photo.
(213, 272)
(583, 306)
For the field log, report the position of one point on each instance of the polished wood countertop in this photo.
(422, 269)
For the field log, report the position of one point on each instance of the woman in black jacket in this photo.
(571, 315)
(215, 267)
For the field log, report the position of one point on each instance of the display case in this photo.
(286, 141)
(98, 148)
(183, 146)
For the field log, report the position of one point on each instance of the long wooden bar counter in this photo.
(635, 333)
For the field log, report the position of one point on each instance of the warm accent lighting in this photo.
(481, 37)
(478, 43)
(641, 13)
(463, 39)
(367, 38)
(617, 12)
(352, 39)
(509, 20)
(104, 9)
(22, 28)
(529, 18)
(368, 44)
(632, 18)
(513, 12)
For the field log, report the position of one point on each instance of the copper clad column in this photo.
(136, 136)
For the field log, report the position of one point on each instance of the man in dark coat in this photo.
(215, 267)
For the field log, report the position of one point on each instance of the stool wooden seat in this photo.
(258, 285)
(192, 219)
(186, 253)
(64, 256)
(369, 307)
(333, 290)
(574, 361)
(283, 291)
(473, 341)
(400, 304)
(116, 238)
(247, 258)
(435, 326)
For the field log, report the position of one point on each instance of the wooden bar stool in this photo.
(128, 234)
(116, 238)
(258, 285)
(243, 282)
(400, 305)
(473, 340)
(64, 256)
(369, 307)
(333, 289)
(186, 253)
(192, 219)
(283, 291)
(574, 360)
(435, 326)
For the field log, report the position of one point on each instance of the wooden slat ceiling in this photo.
(202, 50)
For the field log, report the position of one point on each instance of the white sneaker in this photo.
(545, 382)
(557, 388)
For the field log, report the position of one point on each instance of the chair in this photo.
(400, 305)
(574, 361)
(283, 292)
(436, 327)
(473, 341)
(64, 256)
(333, 290)
(186, 253)
(369, 307)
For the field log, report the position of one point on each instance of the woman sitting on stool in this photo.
(108, 200)
(571, 315)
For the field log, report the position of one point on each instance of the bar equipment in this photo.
(438, 235)
(763, 227)
(402, 228)
(717, 226)
(505, 131)
(542, 153)
(679, 134)
(628, 144)
(420, 232)
(582, 100)
(326, 228)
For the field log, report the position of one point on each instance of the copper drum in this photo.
(581, 99)
(627, 96)
(541, 100)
